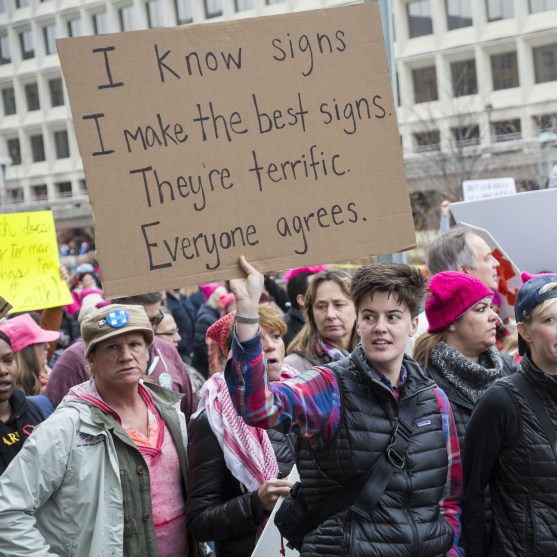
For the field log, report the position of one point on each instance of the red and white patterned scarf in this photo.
(247, 450)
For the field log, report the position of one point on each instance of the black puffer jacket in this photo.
(206, 316)
(219, 508)
(524, 482)
(407, 520)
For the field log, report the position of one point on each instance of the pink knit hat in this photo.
(450, 295)
(310, 270)
(209, 288)
(23, 331)
(227, 299)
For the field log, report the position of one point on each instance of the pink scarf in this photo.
(87, 392)
(247, 450)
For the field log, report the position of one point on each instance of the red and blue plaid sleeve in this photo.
(451, 502)
(307, 405)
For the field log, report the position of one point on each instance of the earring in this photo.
(452, 329)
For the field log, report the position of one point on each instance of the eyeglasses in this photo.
(155, 321)
(168, 333)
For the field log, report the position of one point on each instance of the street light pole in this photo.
(547, 140)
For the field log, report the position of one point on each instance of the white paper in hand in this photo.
(269, 541)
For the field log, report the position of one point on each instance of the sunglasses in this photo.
(156, 319)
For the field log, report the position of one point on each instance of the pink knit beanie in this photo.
(451, 294)
(209, 288)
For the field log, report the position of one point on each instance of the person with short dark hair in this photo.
(347, 415)
(294, 318)
(510, 442)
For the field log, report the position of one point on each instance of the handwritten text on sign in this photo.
(29, 265)
(274, 137)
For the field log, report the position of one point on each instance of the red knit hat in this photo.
(450, 295)
(218, 331)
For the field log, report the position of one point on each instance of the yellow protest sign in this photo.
(29, 264)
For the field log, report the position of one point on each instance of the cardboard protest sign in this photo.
(509, 273)
(269, 543)
(273, 137)
(473, 190)
(522, 224)
(29, 264)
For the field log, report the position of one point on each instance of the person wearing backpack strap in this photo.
(18, 415)
(348, 416)
(511, 444)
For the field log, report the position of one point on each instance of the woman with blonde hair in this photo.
(511, 445)
(329, 333)
(459, 352)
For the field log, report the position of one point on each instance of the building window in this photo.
(419, 18)
(61, 144)
(546, 122)
(504, 68)
(37, 147)
(40, 192)
(542, 5)
(14, 150)
(425, 84)
(155, 16)
(499, 9)
(100, 23)
(2, 7)
(49, 39)
(56, 92)
(269, 2)
(32, 96)
(506, 130)
(466, 136)
(427, 141)
(63, 189)
(5, 53)
(21, 4)
(26, 43)
(83, 186)
(126, 18)
(8, 99)
(15, 195)
(74, 28)
(545, 63)
(184, 12)
(463, 76)
(459, 14)
(213, 8)
(242, 5)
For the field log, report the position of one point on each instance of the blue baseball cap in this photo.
(528, 298)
